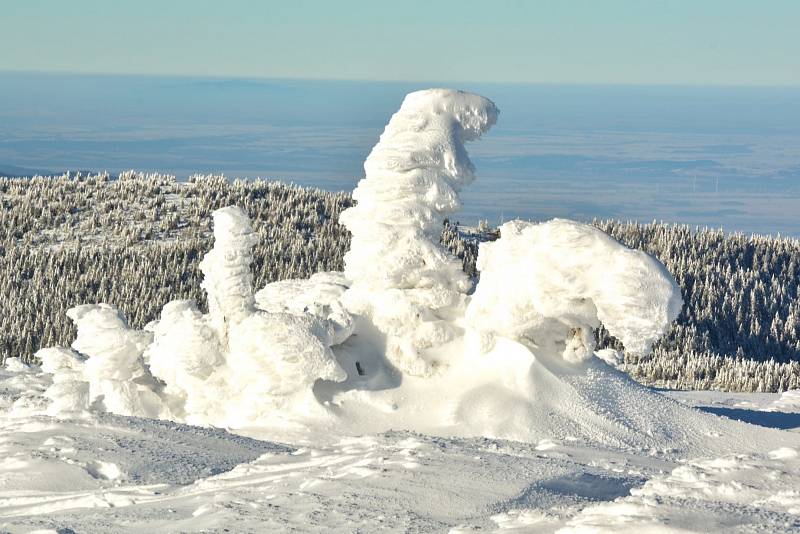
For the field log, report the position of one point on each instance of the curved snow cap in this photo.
(553, 283)
(413, 176)
(402, 279)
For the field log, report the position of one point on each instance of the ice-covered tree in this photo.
(401, 276)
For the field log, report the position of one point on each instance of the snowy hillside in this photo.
(396, 395)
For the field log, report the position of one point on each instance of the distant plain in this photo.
(707, 156)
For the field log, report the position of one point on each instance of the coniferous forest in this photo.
(135, 241)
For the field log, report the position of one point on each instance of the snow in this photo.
(554, 283)
(754, 490)
(409, 401)
(401, 277)
(263, 362)
(168, 477)
(789, 401)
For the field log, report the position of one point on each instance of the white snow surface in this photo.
(105, 473)
(409, 403)
(554, 283)
(401, 276)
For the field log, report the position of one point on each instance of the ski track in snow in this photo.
(106, 473)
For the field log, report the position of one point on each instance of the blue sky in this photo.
(694, 42)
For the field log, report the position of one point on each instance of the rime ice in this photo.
(553, 283)
(396, 334)
(401, 277)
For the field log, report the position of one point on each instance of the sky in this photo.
(676, 42)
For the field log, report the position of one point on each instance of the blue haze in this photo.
(709, 156)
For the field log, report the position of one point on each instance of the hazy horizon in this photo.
(709, 156)
(430, 83)
(719, 42)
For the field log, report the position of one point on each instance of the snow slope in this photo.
(411, 400)
(116, 474)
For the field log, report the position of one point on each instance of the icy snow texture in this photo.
(259, 361)
(552, 284)
(318, 296)
(111, 366)
(401, 277)
(226, 269)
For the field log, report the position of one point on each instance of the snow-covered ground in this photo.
(108, 473)
(393, 396)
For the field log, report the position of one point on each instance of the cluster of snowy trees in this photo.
(740, 326)
(667, 367)
(135, 241)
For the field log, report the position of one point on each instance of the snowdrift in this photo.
(400, 340)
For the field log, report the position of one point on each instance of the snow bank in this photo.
(401, 277)
(552, 284)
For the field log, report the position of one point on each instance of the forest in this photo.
(134, 241)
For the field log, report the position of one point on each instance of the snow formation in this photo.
(401, 276)
(553, 284)
(179, 368)
(259, 361)
(396, 334)
(104, 370)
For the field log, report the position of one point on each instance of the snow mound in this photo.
(401, 277)
(396, 341)
(553, 284)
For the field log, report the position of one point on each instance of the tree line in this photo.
(135, 241)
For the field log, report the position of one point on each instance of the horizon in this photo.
(716, 42)
(444, 83)
(705, 156)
